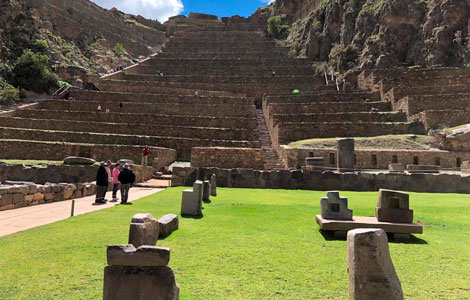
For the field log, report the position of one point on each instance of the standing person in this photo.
(121, 108)
(107, 110)
(101, 184)
(145, 155)
(107, 167)
(127, 178)
(116, 171)
(99, 108)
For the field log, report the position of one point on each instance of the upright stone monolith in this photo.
(372, 275)
(213, 185)
(144, 230)
(345, 153)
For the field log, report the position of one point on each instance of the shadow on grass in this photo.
(331, 236)
(196, 217)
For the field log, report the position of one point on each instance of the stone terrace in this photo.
(438, 97)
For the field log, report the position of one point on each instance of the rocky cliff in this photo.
(353, 34)
(81, 37)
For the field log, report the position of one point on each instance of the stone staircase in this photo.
(272, 159)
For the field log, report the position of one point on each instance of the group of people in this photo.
(121, 177)
(121, 108)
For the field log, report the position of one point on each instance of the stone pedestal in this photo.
(213, 185)
(345, 153)
(144, 230)
(335, 207)
(372, 275)
(206, 195)
(394, 207)
(191, 204)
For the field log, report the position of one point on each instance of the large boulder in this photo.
(78, 161)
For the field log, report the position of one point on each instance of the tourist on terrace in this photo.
(101, 184)
(116, 171)
(121, 108)
(145, 155)
(107, 110)
(99, 108)
(127, 178)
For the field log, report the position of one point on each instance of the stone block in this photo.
(14, 189)
(49, 196)
(396, 168)
(139, 283)
(206, 195)
(4, 190)
(47, 189)
(32, 189)
(68, 193)
(38, 197)
(7, 199)
(393, 207)
(213, 185)
(191, 204)
(335, 207)
(77, 161)
(144, 230)
(7, 207)
(55, 188)
(423, 169)
(77, 194)
(41, 189)
(24, 189)
(17, 198)
(144, 256)
(28, 198)
(345, 154)
(372, 275)
(21, 204)
(59, 197)
(168, 224)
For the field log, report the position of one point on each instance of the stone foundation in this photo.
(228, 157)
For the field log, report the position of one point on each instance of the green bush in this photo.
(119, 49)
(31, 72)
(40, 46)
(8, 94)
(64, 84)
(344, 59)
(276, 29)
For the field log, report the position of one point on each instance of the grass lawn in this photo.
(250, 244)
(43, 163)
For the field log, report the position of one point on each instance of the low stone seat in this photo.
(192, 200)
(143, 256)
(168, 224)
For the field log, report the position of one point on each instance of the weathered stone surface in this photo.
(168, 224)
(49, 196)
(393, 206)
(74, 160)
(213, 185)
(423, 169)
(335, 207)
(398, 168)
(139, 283)
(206, 195)
(17, 198)
(3, 190)
(372, 275)
(191, 204)
(345, 154)
(38, 196)
(144, 256)
(7, 199)
(144, 230)
(28, 198)
(68, 193)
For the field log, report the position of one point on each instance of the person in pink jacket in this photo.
(116, 171)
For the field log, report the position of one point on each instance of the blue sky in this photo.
(163, 9)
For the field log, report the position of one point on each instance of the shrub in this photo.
(276, 29)
(64, 84)
(119, 49)
(40, 46)
(31, 72)
(8, 94)
(344, 59)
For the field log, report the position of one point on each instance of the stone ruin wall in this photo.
(324, 181)
(76, 19)
(160, 157)
(228, 157)
(376, 159)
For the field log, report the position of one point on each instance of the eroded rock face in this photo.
(387, 33)
(372, 275)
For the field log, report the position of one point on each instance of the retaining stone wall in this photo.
(324, 181)
(376, 159)
(228, 157)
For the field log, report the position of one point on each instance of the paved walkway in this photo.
(15, 220)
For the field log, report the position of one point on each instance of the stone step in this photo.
(218, 55)
(210, 110)
(327, 107)
(280, 62)
(372, 117)
(272, 160)
(323, 97)
(169, 120)
(104, 126)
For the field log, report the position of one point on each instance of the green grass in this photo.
(43, 163)
(250, 244)
(404, 142)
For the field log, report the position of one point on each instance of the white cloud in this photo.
(267, 1)
(152, 9)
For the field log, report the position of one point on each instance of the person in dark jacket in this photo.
(127, 178)
(102, 182)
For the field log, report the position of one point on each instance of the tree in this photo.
(31, 72)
